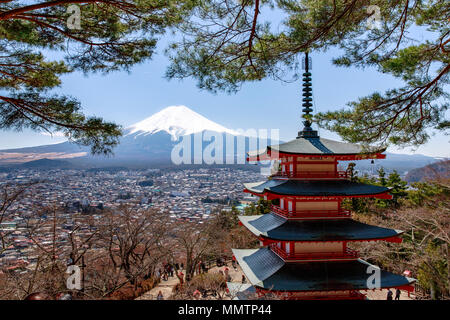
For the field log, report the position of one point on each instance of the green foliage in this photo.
(414, 196)
(423, 191)
(227, 220)
(422, 212)
(397, 189)
(262, 207)
(397, 185)
(381, 177)
(359, 205)
(433, 271)
(229, 42)
(250, 210)
(114, 35)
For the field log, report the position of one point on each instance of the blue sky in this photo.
(126, 98)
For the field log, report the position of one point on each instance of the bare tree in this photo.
(117, 252)
(47, 275)
(9, 195)
(425, 246)
(135, 242)
(197, 241)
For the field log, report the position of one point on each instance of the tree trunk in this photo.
(189, 267)
(432, 291)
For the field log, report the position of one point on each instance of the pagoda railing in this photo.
(347, 254)
(313, 175)
(308, 214)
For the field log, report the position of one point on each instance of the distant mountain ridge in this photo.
(434, 171)
(153, 139)
(402, 163)
(42, 164)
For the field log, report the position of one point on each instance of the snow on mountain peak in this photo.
(176, 121)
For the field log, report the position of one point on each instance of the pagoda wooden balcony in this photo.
(312, 175)
(311, 214)
(348, 254)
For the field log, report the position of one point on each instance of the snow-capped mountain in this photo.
(150, 140)
(153, 139)
(177, 121)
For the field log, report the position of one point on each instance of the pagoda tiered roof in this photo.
(304, 253)
(315, 188)
(274, 227)
(317, 146)
(266, 270)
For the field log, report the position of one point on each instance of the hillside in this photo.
(434, 171)
(42, 164)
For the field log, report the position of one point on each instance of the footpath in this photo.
(166, 287)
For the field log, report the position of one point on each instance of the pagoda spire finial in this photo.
(307, 131)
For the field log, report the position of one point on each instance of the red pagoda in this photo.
(304, 240)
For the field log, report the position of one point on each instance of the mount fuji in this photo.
(148, 141)
(151, 141)
(177, 121)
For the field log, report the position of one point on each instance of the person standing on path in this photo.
(389, 295)
(160, 296)
(397, 294)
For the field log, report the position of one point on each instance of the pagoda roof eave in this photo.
(271, 196)
(264, 269)
(274, 189)
(272, 228)
(317, 147)
(344, 157)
